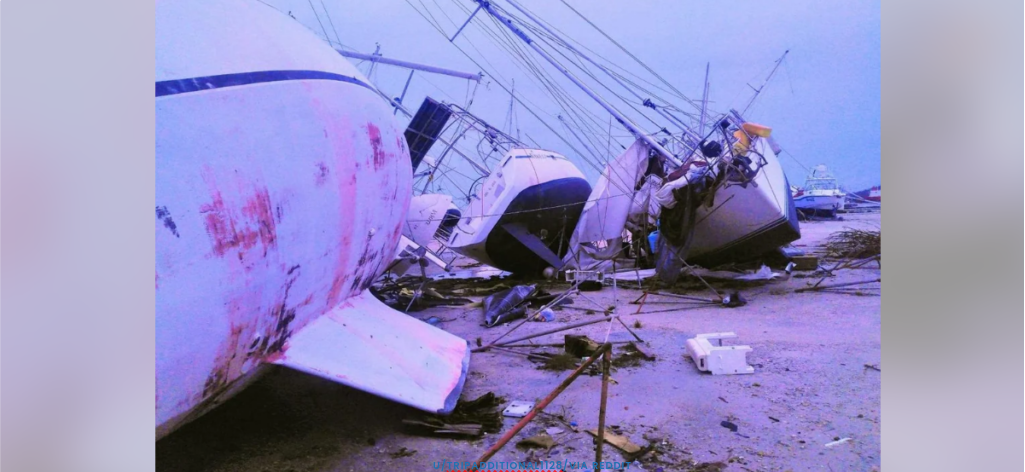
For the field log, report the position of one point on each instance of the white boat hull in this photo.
(819, 203)
(282, 183)
(539, 189)
(746, 221)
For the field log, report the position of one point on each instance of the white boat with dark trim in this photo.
(522, 217)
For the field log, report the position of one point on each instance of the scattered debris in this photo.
(590, 286)
(818, 287)
(805, 262)
(563, 361)
(518, 409)
(734, 300)
(410, 295)
(854, 244)
(540, 440)
(729, 425)
(619, 442)
(873, 367)
(837, 442)
(582, 276)
(480, 291)
(545, 315)
(580, 346)
(719, 360)
(790, 252)
(637, 324)
(469, 418)
(723, 400)
(709, 467)
(561, 418)
(762, 274)
(507, 305)
(402, 452)
(775, 420)
(631, 356)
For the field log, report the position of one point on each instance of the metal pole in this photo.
(759, 89)
(460, 30)
(623, 120)
(836, 285)
(543, 333)
(404, 89)
(704, 102)
(377, 58)
(541, 405)
(606, 366)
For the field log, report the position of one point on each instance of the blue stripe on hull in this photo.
(197, 84)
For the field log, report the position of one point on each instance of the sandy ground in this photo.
(811, 386)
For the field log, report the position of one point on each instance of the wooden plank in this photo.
(619, 442)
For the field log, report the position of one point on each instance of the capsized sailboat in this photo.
(738, 201)
(282, 183)
(521, 218)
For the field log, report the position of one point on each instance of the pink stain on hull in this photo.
(256, 225)
(260, 215)
(380, 158)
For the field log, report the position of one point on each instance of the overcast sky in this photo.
(823, 103)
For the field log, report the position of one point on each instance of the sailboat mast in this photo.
(704, 102)
(569, 46)
(622, 119)
(512, 102)
(767, 79)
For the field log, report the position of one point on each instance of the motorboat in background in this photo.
(820, 195)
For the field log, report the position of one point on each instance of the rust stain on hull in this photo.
(254, 224)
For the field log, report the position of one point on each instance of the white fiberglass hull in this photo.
(747, 221)
(541, 190)
(282, 182)
(819, 203)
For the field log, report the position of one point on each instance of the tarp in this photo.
(506, 305)
(605, 213)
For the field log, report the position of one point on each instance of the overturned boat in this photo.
(523, 215)
(746, 218)
(282, 183)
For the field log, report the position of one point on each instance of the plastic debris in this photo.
(545, 315)
(507, 305)
(719, 360)
(837, 442)
(518, 409)
(734, 300)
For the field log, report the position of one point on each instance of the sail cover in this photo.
(606, 211)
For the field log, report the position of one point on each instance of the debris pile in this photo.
(512, 303)
(854, 244)
(471, 418)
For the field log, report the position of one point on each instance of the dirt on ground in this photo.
(816, 382)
